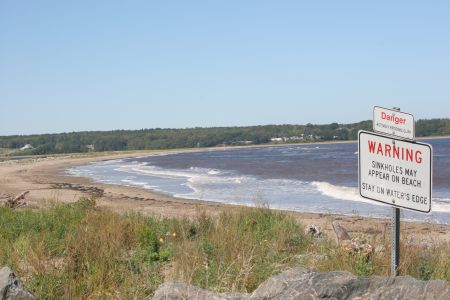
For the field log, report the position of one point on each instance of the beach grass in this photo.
(81, 251)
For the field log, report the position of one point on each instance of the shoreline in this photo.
(47, 182)
(132, 153)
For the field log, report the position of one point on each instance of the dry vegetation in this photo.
(80, 251)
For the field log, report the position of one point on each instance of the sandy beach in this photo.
(47, 182)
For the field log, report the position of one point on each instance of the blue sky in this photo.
(101, 65)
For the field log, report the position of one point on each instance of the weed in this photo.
(81, 251)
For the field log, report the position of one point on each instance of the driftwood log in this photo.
(17, 200)
(349, 244)
(341, 233)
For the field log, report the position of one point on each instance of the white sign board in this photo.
(394, 171)
(393, 122)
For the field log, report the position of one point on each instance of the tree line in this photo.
(149, 139)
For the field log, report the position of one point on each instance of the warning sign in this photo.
(393, 122)
(394, 171)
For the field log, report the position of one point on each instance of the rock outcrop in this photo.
(301, 283)
(11, 287)
(181, 290)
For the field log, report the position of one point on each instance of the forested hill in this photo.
(146, 139)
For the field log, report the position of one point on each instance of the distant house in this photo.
(276, 139)
(90, 147)
(26, 147)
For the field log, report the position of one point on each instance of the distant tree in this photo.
(191, 137)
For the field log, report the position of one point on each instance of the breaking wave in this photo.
(341, 192)
(283, 177)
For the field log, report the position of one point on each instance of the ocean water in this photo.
(308, 178)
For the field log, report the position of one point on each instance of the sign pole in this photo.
(395, 234)
(395, 169)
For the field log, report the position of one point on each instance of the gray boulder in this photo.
(11, 287)
(181, 290)
(301, 283)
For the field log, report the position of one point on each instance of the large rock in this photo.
(181, 290)
(301, 283)
(11, 287)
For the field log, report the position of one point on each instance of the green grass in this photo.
(237, 252)
(78, 251)
(81, 251)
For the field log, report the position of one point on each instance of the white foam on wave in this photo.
(80, 172)
(349, 193)
(198, 170)
(340, 192)
(133, 182)
(74, 172)
(143, 168)
(229, 187)
(440, 205)
(249, 190)
(108, 162)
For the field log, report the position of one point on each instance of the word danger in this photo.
(393, 122)
(392, 118)
(401, 153)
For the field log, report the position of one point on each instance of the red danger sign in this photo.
(395, 171)
(393, 122)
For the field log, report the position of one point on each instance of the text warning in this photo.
(395, 171)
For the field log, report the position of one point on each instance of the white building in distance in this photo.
(26, 147)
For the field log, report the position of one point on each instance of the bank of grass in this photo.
(80, 251)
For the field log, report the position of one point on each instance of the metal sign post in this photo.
(395, 169)
(395, 247)
(395, 233)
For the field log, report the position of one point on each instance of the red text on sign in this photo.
(393, 151)
(392, 118)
